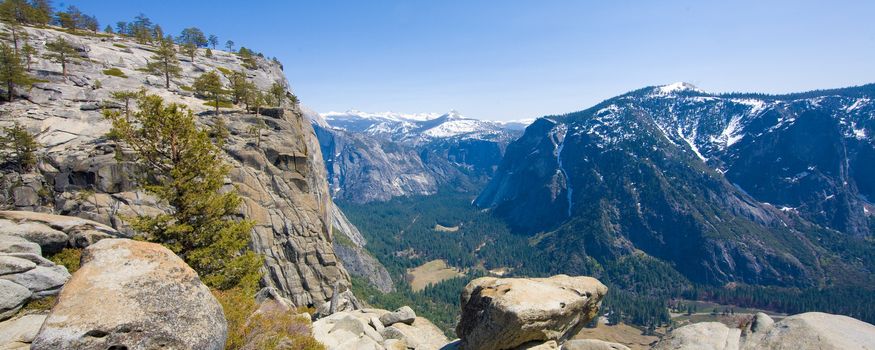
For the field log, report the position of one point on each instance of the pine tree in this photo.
(255, 130)
(213, 40)
(108, 29)
(20, 12)
(165, 61)
(255, 99)
(127, 97)
(210, 85)
(193, 36)
(247, 58)
(42, 12)
(70, 19)
(61, 52)
(28, 52)
(239, 86)
(278, 92)
(229, 45)
(19, 147)
(17, 34)
(184, 168)
(189, 50)
(12, 71)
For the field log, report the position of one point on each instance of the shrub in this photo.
(225, 71)
(222, 104)
(270, 328)
(68, 257)
(115, 72)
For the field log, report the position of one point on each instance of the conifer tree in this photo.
(239, 86)
(189, 50)
(19, 147)
(12, 71)
(27, 53)
(255, 99)
(127, 97)
(214, 40)
(210, 85)
(165, 61)
(229, 45)
(183, 167)
(61, 51)
(42, 12)
(278, 92)
(17, 34)
(193, 36)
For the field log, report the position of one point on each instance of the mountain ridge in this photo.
(680, 173)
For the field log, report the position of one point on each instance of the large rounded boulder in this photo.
(807, 331)
(814, 330)
(509, 312)
(133, 295)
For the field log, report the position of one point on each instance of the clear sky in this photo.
(523, 59)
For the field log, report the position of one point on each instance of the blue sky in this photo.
(523, 59)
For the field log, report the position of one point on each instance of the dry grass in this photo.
(621, 333)
(269, 328)
(432, 272)
(442, 228)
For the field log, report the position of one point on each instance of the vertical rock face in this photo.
(280, 175)
(133, 295)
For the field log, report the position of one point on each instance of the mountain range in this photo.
(377, 156)
(755, 188)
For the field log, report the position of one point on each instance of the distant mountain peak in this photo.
(454, 114)
(675, 88)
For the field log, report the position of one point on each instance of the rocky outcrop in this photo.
(24, 237)
(133, 295)
(704, 335)
(19, 332)
(281, 177)
(807, 331)
(54, 232)
(507, 313)
(363, 329)
(592, 344)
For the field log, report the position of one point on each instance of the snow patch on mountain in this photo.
(456, 127)
(691, 141)
(730, 134)
(756, 106)
(419, 128)
(674, 88)
(393, 116)
(860, 102)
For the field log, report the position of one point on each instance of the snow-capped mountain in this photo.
(377, 156)
(419, 128)
(728, 187)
